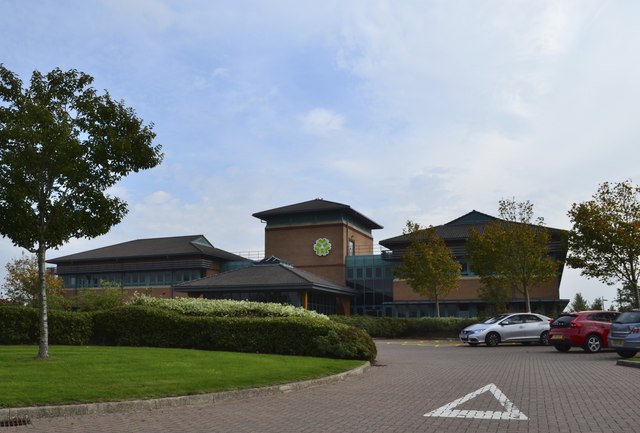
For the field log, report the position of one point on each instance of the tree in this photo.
(110, 295)
(512, 253)
(62, 145)
(428, 264)
(597, 304)
(604, 242)
(22, 286)
(579, 303)
(626, 297)
(496, 297)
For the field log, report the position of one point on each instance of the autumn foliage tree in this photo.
(428, 264)
(22, 286)
(511, 254)
(604, 242)
(62, 145)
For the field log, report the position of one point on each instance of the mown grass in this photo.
(82, 374)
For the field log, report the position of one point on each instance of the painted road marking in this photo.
(511, 412)
(426, 343)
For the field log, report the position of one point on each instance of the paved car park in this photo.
(509, 388)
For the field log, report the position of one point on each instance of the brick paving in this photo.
(558, 393)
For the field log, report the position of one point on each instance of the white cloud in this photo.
(399, 109)
(145, 13)
(322, 121)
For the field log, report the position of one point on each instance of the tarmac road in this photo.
(509, 388)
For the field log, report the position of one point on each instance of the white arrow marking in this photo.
(511, 412)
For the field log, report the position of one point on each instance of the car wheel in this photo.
(592, 344)
(492, 339)
(626, 353)
(562, 347)
(544, 338)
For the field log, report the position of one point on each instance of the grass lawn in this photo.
(81, 374)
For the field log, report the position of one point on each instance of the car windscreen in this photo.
(495, 319)
(563, 320)
(629, 317)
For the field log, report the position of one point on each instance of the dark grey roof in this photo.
(317, 206)
(456, 230)
(264, 277)
(150, 248)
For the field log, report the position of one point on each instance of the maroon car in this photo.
(586, 329)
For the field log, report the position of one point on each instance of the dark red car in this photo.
(586, 329)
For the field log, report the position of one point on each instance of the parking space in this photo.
(419, 386)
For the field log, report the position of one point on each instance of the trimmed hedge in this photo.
(20, 325)
(392, 327)
(133, 325)
(222, 307)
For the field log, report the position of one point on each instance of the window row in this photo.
(131, 279)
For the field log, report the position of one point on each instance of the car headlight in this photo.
(475, 331)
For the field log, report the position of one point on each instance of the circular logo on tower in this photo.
(322, 247)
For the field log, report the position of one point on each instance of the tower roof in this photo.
(316, 206)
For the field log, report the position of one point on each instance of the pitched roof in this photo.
(264, 277)
(150, 248)
(316, 206)
(457, 229)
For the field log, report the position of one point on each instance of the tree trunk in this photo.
(437, 306)
(526, 297)
(43, 350)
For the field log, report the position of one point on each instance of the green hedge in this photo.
(147, 326)
(20, 325)
(133, 325)
(391, 327)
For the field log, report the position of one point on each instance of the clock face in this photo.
(322, 246)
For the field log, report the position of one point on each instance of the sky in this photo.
(421, 110)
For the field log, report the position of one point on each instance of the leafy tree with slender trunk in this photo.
(604, 242)
(512, 253)
(62, 145)
(22, 286)
(428, 264)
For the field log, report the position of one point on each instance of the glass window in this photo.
(629, 317)
(564, 320)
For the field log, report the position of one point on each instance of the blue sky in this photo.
(421, 110)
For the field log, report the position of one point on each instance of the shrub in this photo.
(135, 325)
(21, 325)
(70, 328)
(99, 299)
(437, 327)
(18, 325)
(380, 327)
(396, 327)
(347, 342)
(223, 307)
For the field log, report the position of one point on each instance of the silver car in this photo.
(508, 328)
